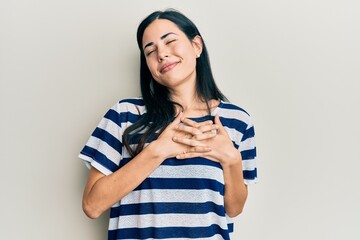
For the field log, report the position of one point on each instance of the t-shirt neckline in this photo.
(208, 116)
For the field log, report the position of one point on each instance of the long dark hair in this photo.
(160, 109)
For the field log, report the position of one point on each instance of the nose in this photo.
(162, 54)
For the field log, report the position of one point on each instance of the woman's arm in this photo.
(235, 188)
(101, 191)
(224, 152)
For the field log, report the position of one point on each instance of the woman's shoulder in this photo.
(133, 105)
(138, 101)
(233, 112)
(232, 108)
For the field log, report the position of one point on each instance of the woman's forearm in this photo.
(235, 188)
(101, 192)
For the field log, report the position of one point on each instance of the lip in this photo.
(168, 66)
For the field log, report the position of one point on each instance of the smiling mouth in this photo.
(168, 67)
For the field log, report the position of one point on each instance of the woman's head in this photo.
(170, 55)
(155, 36)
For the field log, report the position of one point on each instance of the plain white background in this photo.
(294, 65)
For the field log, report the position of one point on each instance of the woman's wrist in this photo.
(232, 158)
(156, 151)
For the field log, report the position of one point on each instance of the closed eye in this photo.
(149, 53)
(171, 41)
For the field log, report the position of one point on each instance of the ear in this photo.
(198, 45)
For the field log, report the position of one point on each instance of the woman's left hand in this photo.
(222, 148)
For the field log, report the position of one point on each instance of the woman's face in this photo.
(170, 55)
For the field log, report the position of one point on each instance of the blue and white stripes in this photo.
(181, 199)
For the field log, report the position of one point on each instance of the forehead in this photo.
(158, 28)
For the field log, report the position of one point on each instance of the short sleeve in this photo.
(238, 124)
(247, 148)
(103, 150)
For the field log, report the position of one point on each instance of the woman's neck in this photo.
(193, 105)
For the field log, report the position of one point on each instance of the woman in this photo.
(175, 163)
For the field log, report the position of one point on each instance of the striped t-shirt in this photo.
(181, 199)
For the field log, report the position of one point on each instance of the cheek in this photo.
(153, 69)
(187, 53)
(189, 56)
(151, 65)
(184, 50)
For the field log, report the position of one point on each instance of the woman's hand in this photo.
(212, 136)
(165, 145)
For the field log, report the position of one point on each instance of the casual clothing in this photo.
(181, 199)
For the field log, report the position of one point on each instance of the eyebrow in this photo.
(162, 37)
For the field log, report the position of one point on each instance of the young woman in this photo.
(175, 163)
